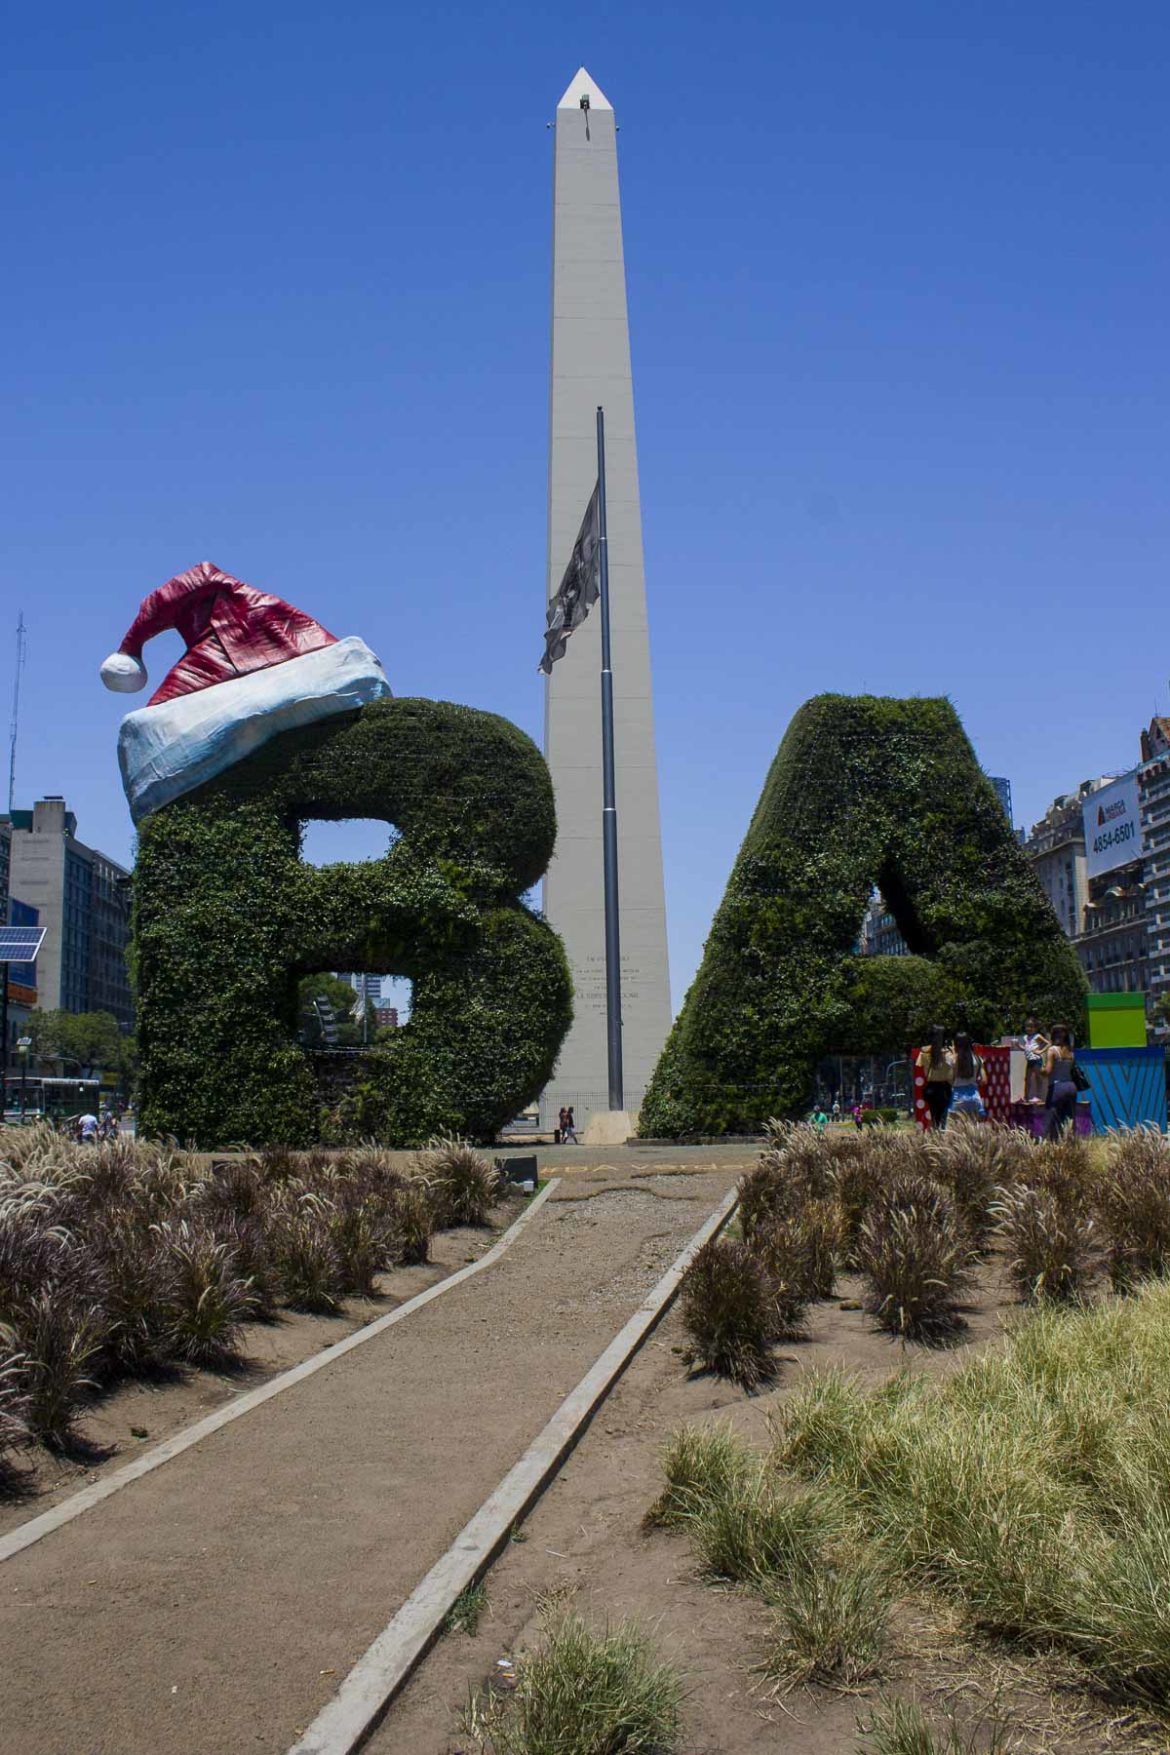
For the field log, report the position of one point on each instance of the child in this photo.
(1035, 1048)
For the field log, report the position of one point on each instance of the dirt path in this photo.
(213, 1605)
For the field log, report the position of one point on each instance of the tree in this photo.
(86, 1042)
(340, 997)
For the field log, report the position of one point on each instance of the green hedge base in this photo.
(228, 918)
(863, 790)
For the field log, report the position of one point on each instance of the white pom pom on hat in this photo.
(123, 674)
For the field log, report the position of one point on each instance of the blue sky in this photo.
(277, 295)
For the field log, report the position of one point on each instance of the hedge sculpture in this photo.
(228, 918)
(863, 790)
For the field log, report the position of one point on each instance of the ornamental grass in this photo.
(583, 1691)
(901, 1727)
(750, 1525)
(1030, 1486)
(463, 1185)
(915, 1258)
(1132, 1199)
(1047, 1235)
(729, 1312)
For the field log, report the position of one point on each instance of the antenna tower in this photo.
(21, 643)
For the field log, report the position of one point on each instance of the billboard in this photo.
(1113, 826)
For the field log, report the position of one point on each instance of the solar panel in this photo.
(20, 944)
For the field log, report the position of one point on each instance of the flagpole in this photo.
(613, 957)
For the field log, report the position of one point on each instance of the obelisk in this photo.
(591, 367)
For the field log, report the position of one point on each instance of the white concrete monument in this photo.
(591, 366)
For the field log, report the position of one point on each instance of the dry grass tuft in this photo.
(463, 1185)
(700, 1463)
(915, 1257)
(584, 1691)
(1030, 1486)
(1047, 1234)
(900, 1727)
(829, 1624)
(131, 1256)
(729, 1312)
(1133, 1205)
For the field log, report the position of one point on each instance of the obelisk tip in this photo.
(582, 85)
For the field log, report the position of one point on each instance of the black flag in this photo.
(579, 589)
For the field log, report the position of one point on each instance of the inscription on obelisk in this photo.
(591, 366)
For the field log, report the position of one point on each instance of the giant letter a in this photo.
(863, 791)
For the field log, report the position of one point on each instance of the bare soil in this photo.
(584, 1545)
(213, 1605)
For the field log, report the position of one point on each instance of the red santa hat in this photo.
(230, 629)
(254, 667)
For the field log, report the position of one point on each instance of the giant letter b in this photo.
(228, 917)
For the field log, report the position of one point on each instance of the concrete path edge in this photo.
(25, 1534)
(364, 1697)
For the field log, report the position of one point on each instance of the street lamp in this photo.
(24, 1043)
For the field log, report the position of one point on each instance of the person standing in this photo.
(87, 1128)
(569, 1129)
(939, 1070)
(968, 1076)
(1060, 1064)
(1035, 1048)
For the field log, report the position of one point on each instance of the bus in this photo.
(34, 1098)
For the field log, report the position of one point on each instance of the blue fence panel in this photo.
(1128, 1085)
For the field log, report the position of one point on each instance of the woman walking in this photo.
(939, 1071)
(1059, 1064)
(968, 1077)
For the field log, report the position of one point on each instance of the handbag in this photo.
(1079, 1077)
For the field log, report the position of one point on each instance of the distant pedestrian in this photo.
(857, 1116)
(569, 1128)
(1060, 1064)
(969, 1074)
(836, 1108)
(938, 1068)
(819, 1120)
(87, 1128)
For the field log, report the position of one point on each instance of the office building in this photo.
(1003, 791)
(879, 931)
(1154, 787)
(1056, 848)
(368, 989)
(82, 899)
